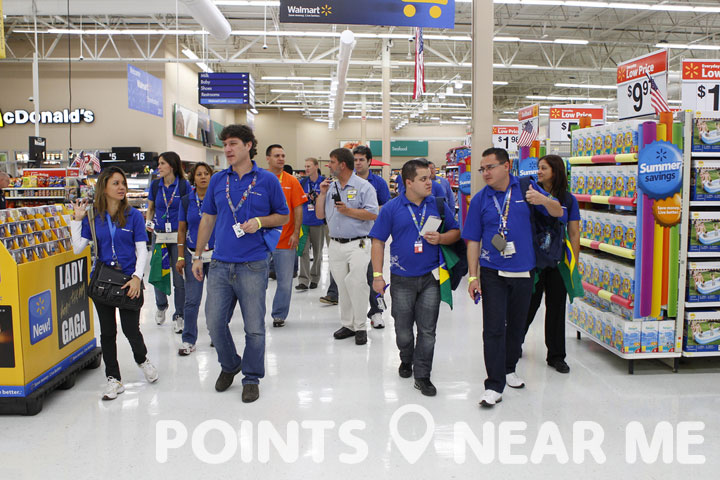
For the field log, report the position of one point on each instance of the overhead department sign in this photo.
(410, 13)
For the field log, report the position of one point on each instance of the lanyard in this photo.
(313, 186)
(199, 203)
(112, 228)
(172, 197)
(503, 215)
(245, 195)
(422, 219)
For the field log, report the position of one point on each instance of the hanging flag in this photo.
(80, 161)
(94, 160)
(448, 259)
(656, 99)
(570, 274)
(160, 268)
(528, 134)
(419, 87)
(304, 232)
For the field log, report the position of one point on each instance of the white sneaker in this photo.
(490, 398)
(151, 373)
(178, 324)
(160, 316)
(112, 389)
(512, 380)
(377, 321)
(186, 349)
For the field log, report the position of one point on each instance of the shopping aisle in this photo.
(312, 377)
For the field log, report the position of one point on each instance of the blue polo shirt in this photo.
(174, 200)
(312, 190)
(483, 222)
(449, 194)
(266, 198)
(395, 220)
(437, 189)
(572, 211)
(125, 238)
(357, 193)
(192, 217)
(381, 188)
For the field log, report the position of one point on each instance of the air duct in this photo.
(339, 84)
(209, 17)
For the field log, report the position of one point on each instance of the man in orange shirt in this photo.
(284, 254)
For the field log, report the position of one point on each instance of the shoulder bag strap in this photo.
(91, 222)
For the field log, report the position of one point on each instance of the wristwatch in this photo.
(196, 257)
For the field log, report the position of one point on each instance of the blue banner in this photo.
(408, 13)
(145, 92)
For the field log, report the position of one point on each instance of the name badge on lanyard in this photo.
(418, 246)
(499, 241)
(239, 232)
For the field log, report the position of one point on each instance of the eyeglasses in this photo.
(488, 168)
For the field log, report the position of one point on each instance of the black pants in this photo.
(505, 303)
(130, 321)
(551, 284)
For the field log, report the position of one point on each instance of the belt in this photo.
(347, 240)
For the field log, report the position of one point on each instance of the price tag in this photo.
(505, 137)
(563, 117)
(634, 89)
(701, 85)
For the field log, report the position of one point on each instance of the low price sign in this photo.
(505, 137)
(701, 85)
(563, 117)
(633, 84)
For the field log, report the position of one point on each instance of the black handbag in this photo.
(106, 283)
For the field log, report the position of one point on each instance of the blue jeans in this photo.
(246, 283)
(415, 302)
(284, 259)
(161, 300)
(505, 303)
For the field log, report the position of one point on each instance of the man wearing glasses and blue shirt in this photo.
(499, 218)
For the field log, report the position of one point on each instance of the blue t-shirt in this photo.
(483, 222)
(172, 193)
(312, 190)
(437, 189)
(381, 188)
(192, 217)
(265, 198)
(125, 238)
(395, 220)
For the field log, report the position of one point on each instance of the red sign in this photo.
(701, 70)
(505, 130)
(650, 64)
(51, 172)
(528, 112)
(575, 113)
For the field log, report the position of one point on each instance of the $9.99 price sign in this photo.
(701, 85)
(505, 137)
(633, 84)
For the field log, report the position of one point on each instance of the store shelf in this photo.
(604, 200)
(609, 296)
(700, 203)
(705, 155)
(36, 188)
(700, 354)
(604, 159)
(626, 356)
(55, 197)
(701, 304)
(704, 254)
(607, 248)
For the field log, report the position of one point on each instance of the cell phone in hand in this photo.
(477, 296)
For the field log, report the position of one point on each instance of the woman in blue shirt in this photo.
(163, 207)
(552, 178)
(122, 243)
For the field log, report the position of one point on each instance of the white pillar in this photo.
(386, 108)
(482, 87)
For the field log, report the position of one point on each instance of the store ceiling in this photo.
(294, 71)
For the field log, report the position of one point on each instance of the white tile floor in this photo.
(356, 391)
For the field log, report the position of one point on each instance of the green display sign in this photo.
(401, 148)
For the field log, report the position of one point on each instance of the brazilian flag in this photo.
(160, 268)
(448, 259)
(304, 232)
(570, 274)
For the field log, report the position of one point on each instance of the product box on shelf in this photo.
(706, 135)
(666, 336)
(649, 337)
(702, 331)
(33, 233)
(703, 283)
(705, 180)
(704, 232)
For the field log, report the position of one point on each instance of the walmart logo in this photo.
(40, 316)
(326, 10)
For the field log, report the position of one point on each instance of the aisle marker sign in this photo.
(529, 125)
(633, 85)
(563, 117)
(505, 136)
(701, 85)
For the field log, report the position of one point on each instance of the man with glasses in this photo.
(497, 228)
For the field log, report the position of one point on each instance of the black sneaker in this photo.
(327, 299)
(405, 370)
(426, 387)
(300, 286)
(559, 365)
(344, 332)
(360, 337)
(225, 380)
(313, 285)
(251, 392)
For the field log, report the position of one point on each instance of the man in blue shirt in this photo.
(246, 204)
(445, 184)
(414, 260)
(350, 207)
(363, 158)
(499, 217)
(314, 226)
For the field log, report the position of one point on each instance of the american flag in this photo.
(527, 134)
(656, 99)
(84, 158)
(419, 87)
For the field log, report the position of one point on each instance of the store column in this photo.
(482, 86)
(386, 110)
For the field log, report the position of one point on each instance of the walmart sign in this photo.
(408, 13)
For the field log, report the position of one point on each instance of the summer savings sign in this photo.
(563, 117)
(634, 86)
(660, 177)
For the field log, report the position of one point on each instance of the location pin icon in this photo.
(412, 449)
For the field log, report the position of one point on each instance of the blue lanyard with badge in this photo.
(419, 242)
(113, 228)
(239, 232)
(168, 224)
(499, 240)
(312, 193)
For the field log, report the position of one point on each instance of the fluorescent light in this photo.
(452, 122)
(499, 83)
(682, 46)
(571, 41)
(580, 85)
(510, 113)
(247, 3)
(190, 54)
(558, 97)
(508, 120)
(204, 67)
(506, 39)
